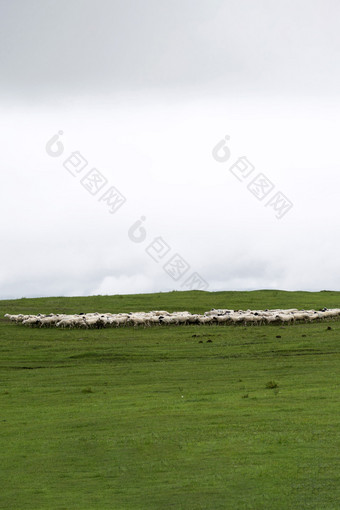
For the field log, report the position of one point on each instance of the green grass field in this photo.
(191, 417)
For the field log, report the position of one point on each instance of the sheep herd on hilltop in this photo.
(162, 317)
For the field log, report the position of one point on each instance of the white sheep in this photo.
(158, 317)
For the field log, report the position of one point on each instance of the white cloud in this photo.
(60, 239)
(123, 284)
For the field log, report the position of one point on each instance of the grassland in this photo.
(192, 417)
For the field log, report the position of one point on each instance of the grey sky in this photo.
(145, 90)
(254, 46)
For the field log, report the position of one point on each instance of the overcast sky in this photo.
(144, 92)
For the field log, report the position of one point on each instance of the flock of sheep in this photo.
(161, 317)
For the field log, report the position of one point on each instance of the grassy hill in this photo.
(193, 301)
(192, 417)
